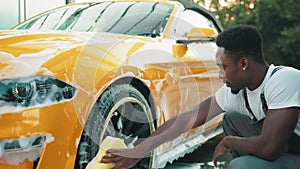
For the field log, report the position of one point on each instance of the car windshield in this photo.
(52, 19)
(130, 18)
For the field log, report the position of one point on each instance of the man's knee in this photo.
(239, 162)
(250, 162)
(230, 120)
(237, 122)
(232, 116)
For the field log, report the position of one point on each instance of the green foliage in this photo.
(277, 20)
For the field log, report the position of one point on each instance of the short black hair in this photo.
(242, 40)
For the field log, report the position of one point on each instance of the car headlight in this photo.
(33, 91)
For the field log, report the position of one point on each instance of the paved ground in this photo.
(202, 157)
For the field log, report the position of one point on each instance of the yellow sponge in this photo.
(108, 143)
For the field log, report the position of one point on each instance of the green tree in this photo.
(278, 21)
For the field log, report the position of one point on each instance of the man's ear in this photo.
(244, 62)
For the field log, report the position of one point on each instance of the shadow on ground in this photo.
(202, 157)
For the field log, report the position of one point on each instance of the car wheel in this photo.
(123, 112)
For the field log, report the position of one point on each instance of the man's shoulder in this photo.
(282, 79)
(283, 89)
(282, 73)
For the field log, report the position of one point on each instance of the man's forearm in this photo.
(171, 129)
(251, 145)
(167, 132)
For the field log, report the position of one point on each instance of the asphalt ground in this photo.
(201, 158)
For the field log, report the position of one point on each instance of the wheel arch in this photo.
(140, 86)
(134, 82)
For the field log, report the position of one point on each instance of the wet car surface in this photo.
(74, 75)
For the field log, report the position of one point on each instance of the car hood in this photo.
(24, 53)
(4, 33)
(18, 43)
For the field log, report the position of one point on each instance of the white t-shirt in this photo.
(281, 90)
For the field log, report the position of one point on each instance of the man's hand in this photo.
(122, 158)
(220, 149)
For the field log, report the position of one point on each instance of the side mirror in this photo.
(201, 35)
(195, 35)
(179, 50)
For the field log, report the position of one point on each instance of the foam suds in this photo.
(25, 64)
(18, 157)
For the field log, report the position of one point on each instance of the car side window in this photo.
(189, 19)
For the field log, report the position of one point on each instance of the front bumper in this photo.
(40, 138)
(16, 151)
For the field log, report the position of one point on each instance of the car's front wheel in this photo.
(121, 111)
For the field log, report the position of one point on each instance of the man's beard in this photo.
(235, 91)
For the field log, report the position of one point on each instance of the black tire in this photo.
(121, 111)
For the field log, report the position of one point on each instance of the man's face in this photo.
(230, 71)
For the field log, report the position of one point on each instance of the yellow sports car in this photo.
(72, 76)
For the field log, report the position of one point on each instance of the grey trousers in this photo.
(237, 124)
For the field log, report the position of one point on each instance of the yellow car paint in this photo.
(91, 64)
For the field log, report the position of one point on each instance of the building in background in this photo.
(13, 12)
